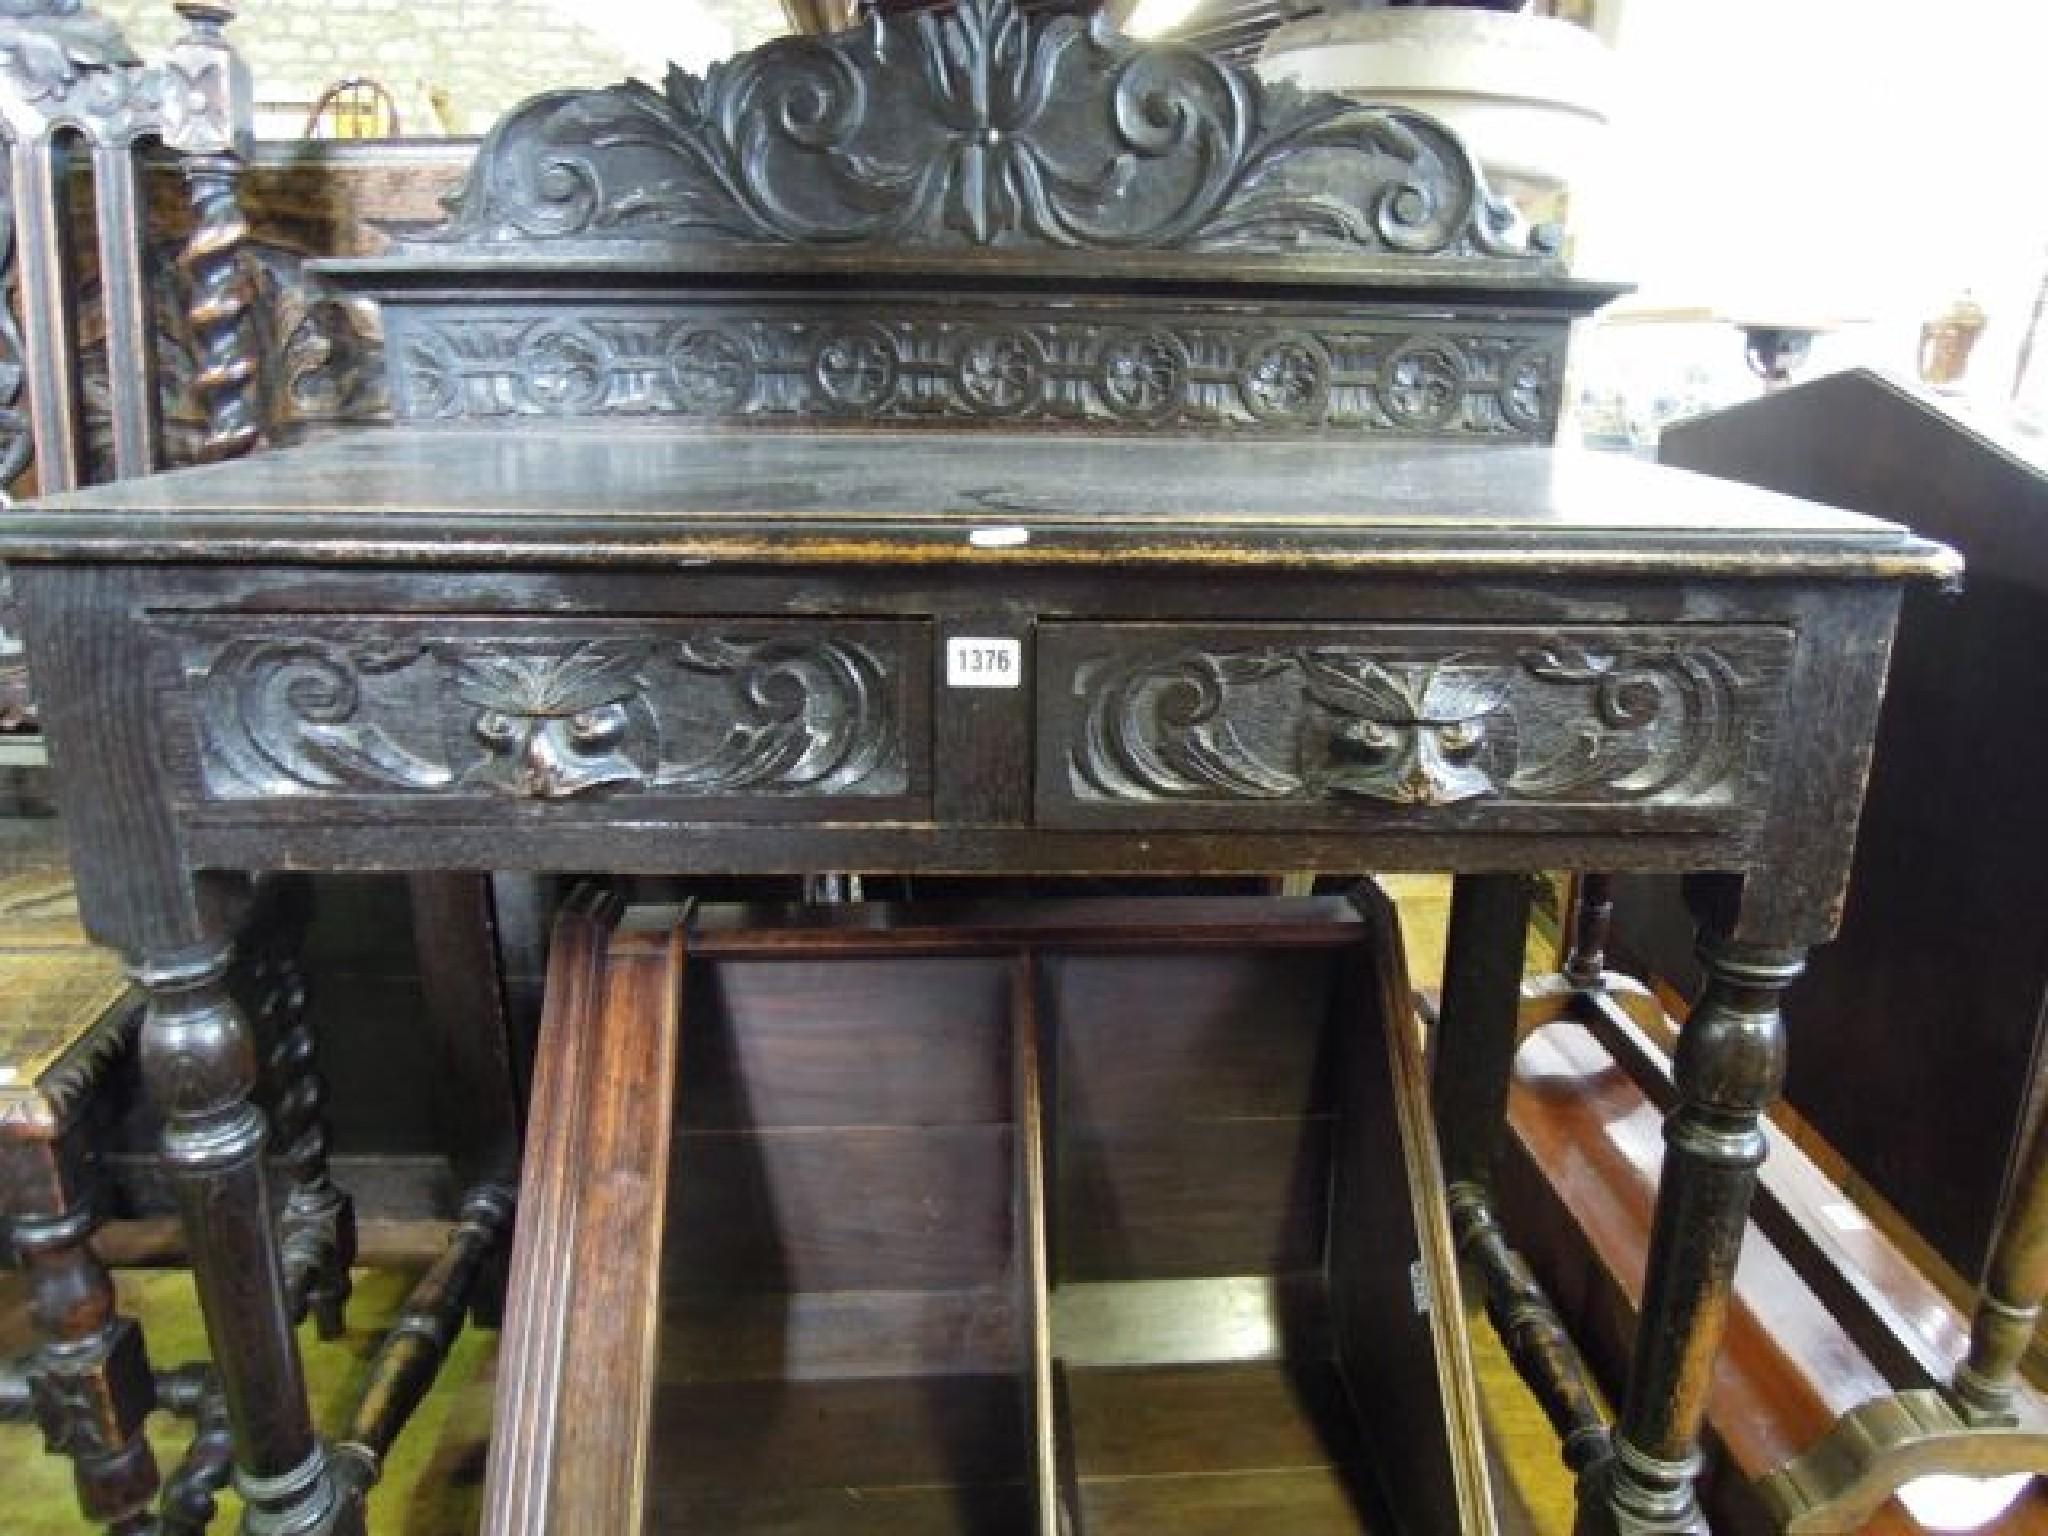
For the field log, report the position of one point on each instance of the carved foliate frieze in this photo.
(559, 713)
(1413, 718)
(979, 126)
(907, 361)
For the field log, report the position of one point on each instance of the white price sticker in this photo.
(974, 662)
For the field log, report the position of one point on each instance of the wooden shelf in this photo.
(959, 1222)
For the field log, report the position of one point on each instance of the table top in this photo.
(568, 496)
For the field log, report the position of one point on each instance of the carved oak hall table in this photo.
(1245, 552)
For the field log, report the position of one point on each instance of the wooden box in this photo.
(1092, 1217)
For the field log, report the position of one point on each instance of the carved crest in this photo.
(982, 127)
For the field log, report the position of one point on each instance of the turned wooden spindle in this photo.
(1592, 921)
(2009, 1305)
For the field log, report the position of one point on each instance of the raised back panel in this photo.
(844, 1125)
(976, 216)
(1192, 1107)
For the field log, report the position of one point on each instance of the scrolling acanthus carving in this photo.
(694, 714)
(1675, 723)
(981, 126)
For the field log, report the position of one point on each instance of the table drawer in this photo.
(1439, 726)
(710, 711)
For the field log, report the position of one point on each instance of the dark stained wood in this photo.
(1315, 1501)
(1394, 1289)
(765, 1436)
(477, 1098)
(411, 1354)
(617, 497)
(881, 1042)
(1232, 1036)
(611, 1322)
(1032, 1284)
(1474, 1041)
(852, 1209)
(521, 1490)
(1185, 1420)
(1148, 1201)
(822, 1335)
(995, 1510)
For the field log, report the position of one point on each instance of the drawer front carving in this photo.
(1463, 723)
(551, 710)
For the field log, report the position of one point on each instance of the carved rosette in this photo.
(927, 363)
(692, 713)
(1674, 720)
(978, 126)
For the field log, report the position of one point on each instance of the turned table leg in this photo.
(2009, 1306)
(1476, 1038)
(1474, 1048)
(89, 1377)
(1729, 1065)
(199, 1066)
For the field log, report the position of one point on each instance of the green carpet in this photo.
(432, 1487)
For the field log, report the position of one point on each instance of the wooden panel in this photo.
(765, 1437)
(1190, 1037)
(1219, 1448)
(1394, 1292)
(578, 1359)
(1208, 1319)
(1464, 727)
(825, 1335)
(1314, 1501)
(1141, 1201)
(847, 1043)
(882, 1208)
(603, 1417)
(718, 712)
(993, 1511)
(1150, 1422)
